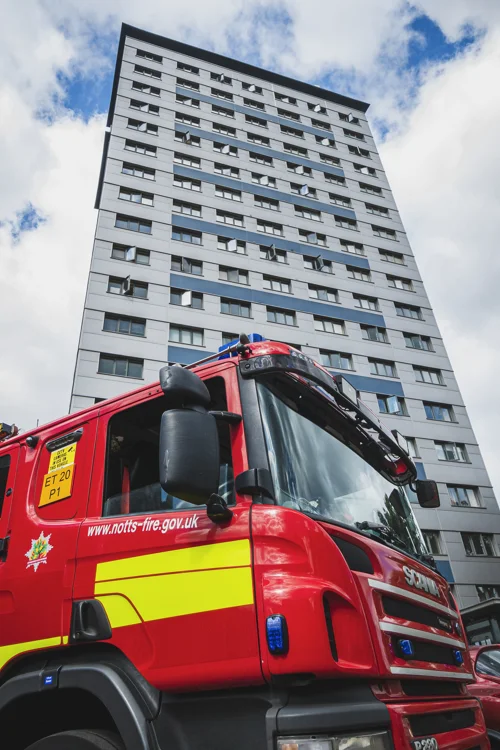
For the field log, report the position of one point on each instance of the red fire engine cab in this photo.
(225, 559)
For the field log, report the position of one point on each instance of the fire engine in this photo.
(225, 559)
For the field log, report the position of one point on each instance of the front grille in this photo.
(424, 651)
(414, 613)
(416, 688)
(446, 721)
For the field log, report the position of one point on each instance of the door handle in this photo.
(4, 544)
(9, 492)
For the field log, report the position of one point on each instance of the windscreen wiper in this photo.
(385, 533)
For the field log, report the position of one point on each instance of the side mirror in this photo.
(427, 493)
(189, 455)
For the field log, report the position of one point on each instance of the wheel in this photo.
(79, 739)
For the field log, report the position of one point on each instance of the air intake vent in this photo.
(406, 611)
(430, 652)
(447, 721)
(355, 557)
(329, 627)
(415, 688)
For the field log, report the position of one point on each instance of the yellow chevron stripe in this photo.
(162, 596)
(14, 649)
(206, 556)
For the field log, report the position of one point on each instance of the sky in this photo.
(430, 70)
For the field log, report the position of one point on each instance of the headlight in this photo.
(368, 741)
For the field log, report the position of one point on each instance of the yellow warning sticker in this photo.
(63, 457)
(57, 485)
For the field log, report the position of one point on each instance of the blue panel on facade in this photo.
(263, 150)
(245, 187)
(372, 385)
(186, 222)
(285, 301)
(186, 356)
(444, 568)
(420, 470)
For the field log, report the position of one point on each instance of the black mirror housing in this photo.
(427, 493)
(189, 453)
(183, 388)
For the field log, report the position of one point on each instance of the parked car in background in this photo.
(486, 663)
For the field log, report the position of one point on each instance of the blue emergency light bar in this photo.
(253, 338)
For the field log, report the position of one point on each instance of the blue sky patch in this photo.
(26, 221)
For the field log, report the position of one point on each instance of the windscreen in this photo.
(314, 471)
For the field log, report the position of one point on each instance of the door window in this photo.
(488, 662)
(4, 473)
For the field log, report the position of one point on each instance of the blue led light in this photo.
(406, 647)
(48, 679)
(277, 634)
(459, 659)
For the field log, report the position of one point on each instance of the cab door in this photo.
(177, 588)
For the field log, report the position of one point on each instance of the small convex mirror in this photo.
(427, 493)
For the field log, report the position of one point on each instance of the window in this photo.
(292, 149)
(231, 246)
(412, 447)
(147, 71)
(466, 497)
(186, 235)
(125, 367)
(221, 78)
(127, 288)
(271, 253)
(122, 324)
(269, 227)
(289, 115)
(149, 56)
(432, 541)
(252, 88)
(152, 109)
(321, 124)
(388, 234)
(253, 103)
(234, 307)
(226, 170)
(187, 101)
(349, 118)
(307, 213)
(182, 335)
(225, 148)
(135, 170)
(224, 129)
(336, 359)
(408, 311)
(354, 134)
(188, 68)
(361, 274)
(285, 98)
(451, 451)
(283, 317)
(303, 190)
(227, 218)
(145, 88)
(365, 188)
(222, 94)
(131, 254)
(277, 285)
(382, 367)
(235, 275)
(143, 127)
(355, 248)
(251, 120)
(270, 203)
(390, 257)
(299, 169)
(356, 151)
(136, 196)
(222, 112)
(328, 325)
(374, 333)
(313, 238)
(187, 183)
(191, 209)
(439, 412)
(228, 193)
(188, 161)
(186, 298)
(186, 265)
(317, 108)
(481, 545)
(488, 592)
(327, 159)
(365, 170)
(288, 130)
(322, 293)
(184, 136)
(428, 375)
(260, 140)
(334, 178)
(377, 210)
(264, 179)
(345, 223)
(340, 200)
(260, 159)
(140, 148)
(366, 303)
(399, 283)
(228, 338)
(133, 224)
(392, 405)
(318, 263)
(188, 84)
(325, 141)
(187, 119)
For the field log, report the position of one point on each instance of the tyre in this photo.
(79, 739)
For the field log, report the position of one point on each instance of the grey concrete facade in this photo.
(343, 188)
